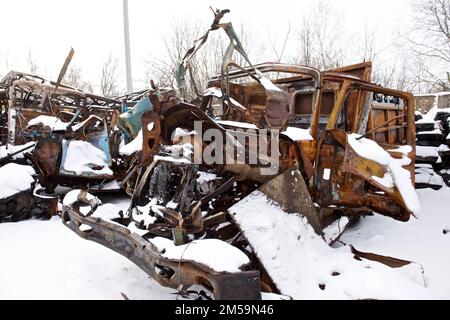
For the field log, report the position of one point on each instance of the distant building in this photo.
(424, 102)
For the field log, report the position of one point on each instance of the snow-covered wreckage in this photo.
(273, 154)
(220, 187)
(63, 132)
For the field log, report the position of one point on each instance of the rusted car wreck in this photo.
(304, 139)
(319, 131)
(43, 125)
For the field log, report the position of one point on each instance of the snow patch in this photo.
(401, 177)
(237, 124)
(213, 91)
(48, 121)
(72, 196)
(298, 134)
(10, 149)
(15, 178)
(216, 254)
(134, 146)
(81, 124)
(266, 83)
(303, 266)
(83, 158)
(422, 151)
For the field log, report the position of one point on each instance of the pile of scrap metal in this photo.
(433, 146)
(68, 136)
(184, 226)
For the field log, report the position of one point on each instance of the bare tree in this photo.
(203, 65)
(329, 51)
(108, 80)
(367, 46)
(429, 40)
(279, 49)
(5, 64)
(32, 65)
(320, 38)
(164, 69)
(305, 39)
(74, 79)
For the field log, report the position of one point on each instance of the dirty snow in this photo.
(81, 157)
(216, 254)
(15, 178)
(134, 146)
(53, 123)
(300, 262)
(298, 134)
(369, 149)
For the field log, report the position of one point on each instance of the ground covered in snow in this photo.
(45, 260)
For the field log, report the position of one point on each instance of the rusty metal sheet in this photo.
(243, 285)
(290, 192)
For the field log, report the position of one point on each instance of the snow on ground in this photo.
(421, 240)
(303, 266)
(57, 264)
(46, 260)
(214, 253)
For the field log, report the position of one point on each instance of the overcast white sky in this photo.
(94, 28)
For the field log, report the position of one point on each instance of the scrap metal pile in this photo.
(433, 148)
(325, 146)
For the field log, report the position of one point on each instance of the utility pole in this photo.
(126, 30)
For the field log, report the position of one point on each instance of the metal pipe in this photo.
(126, 30)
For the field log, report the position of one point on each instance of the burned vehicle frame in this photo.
(39, 119)
(321, 177)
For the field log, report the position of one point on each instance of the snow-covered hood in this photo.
(396, 181)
